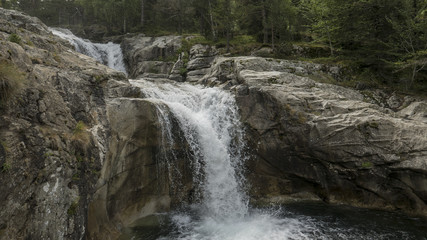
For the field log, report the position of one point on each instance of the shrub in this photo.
(11, 80)
(72, 210)
(6, 167)
(80, 133)
(15, 38)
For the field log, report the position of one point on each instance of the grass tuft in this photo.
(11, 81)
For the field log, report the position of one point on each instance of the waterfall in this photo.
(209, 120)
(109, 54)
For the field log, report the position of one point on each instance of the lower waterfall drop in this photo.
(210, 122)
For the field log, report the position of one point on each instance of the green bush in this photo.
(11, 80)
(80, 134)
(15, 38)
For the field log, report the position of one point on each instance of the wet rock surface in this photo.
(79, 146)
(150, 56)
(321, 141)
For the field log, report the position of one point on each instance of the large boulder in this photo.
(320, 141)
(143, 173)
(150, 56)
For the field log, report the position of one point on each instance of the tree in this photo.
(410, 38)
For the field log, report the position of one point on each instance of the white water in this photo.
(210, 122)
(109, 54)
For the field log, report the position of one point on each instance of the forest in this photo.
(381, 42)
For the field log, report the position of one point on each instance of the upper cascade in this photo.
(109, 54)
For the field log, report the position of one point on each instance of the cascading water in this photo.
(109, 54)
(209, 120)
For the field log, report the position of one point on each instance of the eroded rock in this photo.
(150, 56)
(313, 138)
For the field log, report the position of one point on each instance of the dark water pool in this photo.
(292, 221)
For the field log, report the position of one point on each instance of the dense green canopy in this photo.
(385, 37)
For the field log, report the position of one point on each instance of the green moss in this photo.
(30, 43)
(367, 165)
(183, 71)
(80, 133)
(76, 177)
(80, 128)
(15, 38)
(6, 167)
(11, 80)
(4, 145)
(72, 210)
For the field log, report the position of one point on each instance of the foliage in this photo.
(80, 134)
(6, 167)
(367, 165)
(11, 80)
(15, 38)
(386, 38)
(72, 210)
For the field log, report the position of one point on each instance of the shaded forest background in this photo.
(381, 42)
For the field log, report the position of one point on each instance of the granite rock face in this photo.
(136, 181)
(150, 56)
(53, 131)
(321, 141)
(66, 145)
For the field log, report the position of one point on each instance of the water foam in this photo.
(210, 121)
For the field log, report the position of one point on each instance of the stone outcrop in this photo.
(320, 141)
(150, 56)
(136, 181)
(200, 61)
(53, 131)
(68, 146)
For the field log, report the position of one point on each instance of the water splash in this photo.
(109, 54)
(209, 120)
(210, 124)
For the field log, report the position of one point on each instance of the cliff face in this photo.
(320, 141)
(53, 129)
(80, 148)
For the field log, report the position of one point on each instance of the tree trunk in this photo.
(179, 17)
(264, 23)
(142, 13)
(228, 22)
(330, 43)
(212, 23)
(272, 35)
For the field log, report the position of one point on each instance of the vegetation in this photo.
(381, 41)
(72, 210)
(80, 134)
(6, 167)
(11, 80)
(15, 38)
